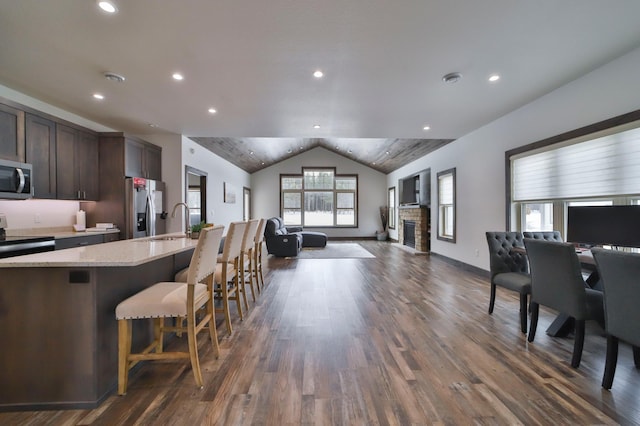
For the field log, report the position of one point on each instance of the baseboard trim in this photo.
(465, 266)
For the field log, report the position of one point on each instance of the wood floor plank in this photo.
(397, 339)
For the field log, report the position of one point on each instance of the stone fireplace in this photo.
(415, 219)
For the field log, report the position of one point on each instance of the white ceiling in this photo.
(253, 61)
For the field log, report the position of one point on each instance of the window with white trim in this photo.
(319, 198)
(447, 205)
(391, 216)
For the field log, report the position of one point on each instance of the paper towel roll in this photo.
(81, 220)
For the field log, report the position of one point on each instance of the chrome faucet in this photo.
(187, 228)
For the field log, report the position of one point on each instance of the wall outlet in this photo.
(36, 218)
(477, 253)
(3, 221)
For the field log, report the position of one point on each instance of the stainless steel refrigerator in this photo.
(145, 210)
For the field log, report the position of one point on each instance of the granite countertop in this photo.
(117, 253)
(57, 232)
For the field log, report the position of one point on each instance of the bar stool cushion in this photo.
(164, 299)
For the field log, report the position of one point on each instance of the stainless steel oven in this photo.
(15, 180)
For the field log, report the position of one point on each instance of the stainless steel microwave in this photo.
(15, 180)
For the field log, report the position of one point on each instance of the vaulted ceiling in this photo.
(253, 63)
(384, 155)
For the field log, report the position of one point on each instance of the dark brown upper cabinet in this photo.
(40, 137)
(11, 133)
(142, 160)
(77, 164)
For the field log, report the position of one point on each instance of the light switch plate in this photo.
(3, 221)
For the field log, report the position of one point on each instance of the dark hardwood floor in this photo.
(401, 339)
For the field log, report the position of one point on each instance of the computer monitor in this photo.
(604, 225)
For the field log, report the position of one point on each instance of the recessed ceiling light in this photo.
(374, 163)
(494, 78)
(262, 163)
(349, 151)
(452, 77)
(318, 74)
(154, 126)
(212, 110)
(426, 128)
(317, 126)
(387, 152)
(301, 147)
(107, 6)
(98, 96)
(289, 151)
(251, 153)
(177, 76)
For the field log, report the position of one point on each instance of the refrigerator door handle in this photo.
(151, 216)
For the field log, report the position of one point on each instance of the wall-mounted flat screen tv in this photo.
(415, 190)
(604, 225)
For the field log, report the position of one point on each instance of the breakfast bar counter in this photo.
(59, 343)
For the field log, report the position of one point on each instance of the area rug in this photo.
(335, 251)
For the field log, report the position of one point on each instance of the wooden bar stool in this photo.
(257, 254)
(172, 300)
(227, 275)
(246, 260)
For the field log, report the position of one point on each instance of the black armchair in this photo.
(282, 241)
(286, 241)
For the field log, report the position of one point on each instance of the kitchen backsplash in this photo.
(25, 214)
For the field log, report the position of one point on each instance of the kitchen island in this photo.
(57, 310)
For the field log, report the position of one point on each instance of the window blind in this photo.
(445, 190)
(609, 165)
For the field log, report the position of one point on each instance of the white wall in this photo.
(479, 156)
(179, 151)
(218, 171)
(27, 214)
(372, 189)
(38, 105)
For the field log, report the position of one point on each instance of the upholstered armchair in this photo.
(282, 241)
(287, 241)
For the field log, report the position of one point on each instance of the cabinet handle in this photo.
(78, 194)
(84, 195)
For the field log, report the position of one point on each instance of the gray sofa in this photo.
(283, 241)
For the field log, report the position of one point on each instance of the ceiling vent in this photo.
(452, 77)
(113, 77)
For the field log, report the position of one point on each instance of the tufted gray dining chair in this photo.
(543, 235)
(509, 269)
(557, 283)
(620, 273)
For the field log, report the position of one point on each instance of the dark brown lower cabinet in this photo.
(60, 335)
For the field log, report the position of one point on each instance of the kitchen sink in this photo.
(161, 238)
(168, 238)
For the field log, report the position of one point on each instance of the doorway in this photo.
(246, 203)
(196, 194)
